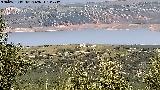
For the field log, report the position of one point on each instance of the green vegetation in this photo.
(2, 27)
(86, 67)
(152, 77)
(11, 64)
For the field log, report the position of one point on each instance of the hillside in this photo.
(121, 12)
(52, 62)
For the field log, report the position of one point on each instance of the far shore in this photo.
(113, 26)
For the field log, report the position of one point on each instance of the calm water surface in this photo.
(140, 36)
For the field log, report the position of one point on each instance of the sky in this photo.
(3, 5)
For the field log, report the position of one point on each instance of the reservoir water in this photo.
(139, 36)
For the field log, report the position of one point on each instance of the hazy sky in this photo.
(2, 5)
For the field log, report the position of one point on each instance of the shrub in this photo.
(106, 76)
(152, 77)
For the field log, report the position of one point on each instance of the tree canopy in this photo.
(11, 64)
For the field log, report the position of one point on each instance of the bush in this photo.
(105, 75)
(152, 77)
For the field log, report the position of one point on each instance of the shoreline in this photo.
(113, 26)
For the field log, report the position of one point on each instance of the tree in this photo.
(106, 74)
(3, 36)
(152, 77)
(11, 64)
